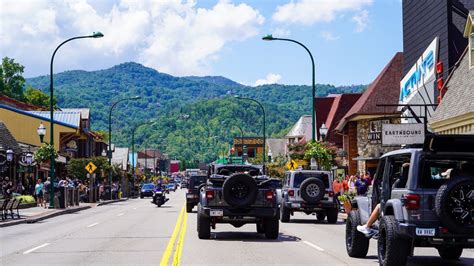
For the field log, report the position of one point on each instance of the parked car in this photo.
(147, 190)
(171, 187)
(196, 182)
(308, 191)
(426, 199)
(237, 195)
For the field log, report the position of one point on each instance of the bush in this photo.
(26, 199)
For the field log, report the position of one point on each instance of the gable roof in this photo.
(18, 104)
(301, 127)
(7, 140)
(384, 90)
(85, 112)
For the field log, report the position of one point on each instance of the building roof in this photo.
(384, 90)
(7, 140)
(150, 153)
(69, 118)
(277, 146)
(85, 112)
(18, 104)
(458, 99)
(120, 157)
(301, 128)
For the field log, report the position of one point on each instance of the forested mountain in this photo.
(169, 99)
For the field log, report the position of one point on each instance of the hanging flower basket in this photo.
(44, 153)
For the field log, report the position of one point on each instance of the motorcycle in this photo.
(159, 197)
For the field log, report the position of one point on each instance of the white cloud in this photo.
(361, 20)
(269, 79)
(308, 12)
(281, 32)
(328, 36)
(171, 36)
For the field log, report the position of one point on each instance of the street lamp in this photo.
(270, 158)
(313, 115)
(9, 160)
(263, 112)
(110, 137)
(51, 91)
(323, 131)
(41, 132)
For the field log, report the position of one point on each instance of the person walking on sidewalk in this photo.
(7, 188)
(39, 192)
(46, 188)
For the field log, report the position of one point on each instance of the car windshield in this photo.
(148, 186)
(300, 177)
(241, 169)
(195, 181)
(436, 171)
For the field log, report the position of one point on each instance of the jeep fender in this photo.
(394, 207)
(363, 207)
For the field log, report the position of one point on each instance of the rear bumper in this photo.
(243, 213)
(438, 239)
(192, 198)
(306, 207)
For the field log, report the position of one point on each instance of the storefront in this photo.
(253, 146)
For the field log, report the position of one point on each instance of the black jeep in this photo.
(196, 182)
(238, 194)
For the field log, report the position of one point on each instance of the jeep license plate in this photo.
(217, 213)
(190, 196)
(425, 231)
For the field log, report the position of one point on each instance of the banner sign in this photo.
(401, 134)
(375, 130)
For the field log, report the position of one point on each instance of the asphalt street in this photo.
(137, 232)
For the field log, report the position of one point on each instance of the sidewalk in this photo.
(32, 215)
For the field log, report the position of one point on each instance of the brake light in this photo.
(412, 201)
(291, 193)
(189, 191)
(269, 195)
(444, 230)
(209, 194)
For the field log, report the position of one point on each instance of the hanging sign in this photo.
(403, 134)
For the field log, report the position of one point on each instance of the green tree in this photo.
(323, 154)
(12, 78)
(38, 98)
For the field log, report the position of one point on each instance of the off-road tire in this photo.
(285, 213)
(203, 226)
(260, 228)
(189, 208)
(271, 227)
(315, 183)
(357, 245)
(450, 253)
(332, 215)
(444, 206)
(320, 216)
(392, 250)
(240, 184)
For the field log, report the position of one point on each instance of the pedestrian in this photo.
(39, 192)
(7, 188)
(47, 187)
(351, 182)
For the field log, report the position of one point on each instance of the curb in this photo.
(111, 201)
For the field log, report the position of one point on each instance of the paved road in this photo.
(137, 232)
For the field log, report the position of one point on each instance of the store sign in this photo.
(403, 134)
(420, 74)
(375, 131)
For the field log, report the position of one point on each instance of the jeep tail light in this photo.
(444, 230)
(209, 194)
(412, 201)
(189, 191)
(269, 195)
(291, 193)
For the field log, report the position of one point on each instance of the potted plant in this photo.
(346, 200)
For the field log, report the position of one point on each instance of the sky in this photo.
(351, 40)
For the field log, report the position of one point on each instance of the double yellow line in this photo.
(180, 229)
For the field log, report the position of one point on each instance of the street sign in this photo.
(90, 167)
(292, 165)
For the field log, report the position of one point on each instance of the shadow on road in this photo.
(308, 221)
(251, 237)
(437, 261)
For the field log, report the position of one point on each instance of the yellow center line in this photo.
(179, 245)
(169, 247)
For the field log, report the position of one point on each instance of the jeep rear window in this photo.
(300, 177)
(195, 181)
(436, 172)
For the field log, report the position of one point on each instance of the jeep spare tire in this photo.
(312, 190)
(454, 205)
(240, 190)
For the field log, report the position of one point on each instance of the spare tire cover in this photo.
(312, 190)
(239, 190)
(454, 205)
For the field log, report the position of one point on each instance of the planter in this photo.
(347, 206)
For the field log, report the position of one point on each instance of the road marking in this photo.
(120, 214)
(179, 245)
(169, 247)
(33, 249)
(313, 245)
(91, 225)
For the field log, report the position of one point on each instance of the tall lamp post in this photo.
(313, 115)
(110, 137)
(263, 113)
(10, 155)
(51, 122)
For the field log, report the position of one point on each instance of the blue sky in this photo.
(351, 40)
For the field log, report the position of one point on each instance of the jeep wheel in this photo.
(189, 208)
(332, 215)
(312, 190)
(357, 245)
(454, 204)
(239, 190)
(392, 250)
(203, 227)
(285, 214)
(271, 227)
(260, 228)
(320, 216)
(450, 253)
